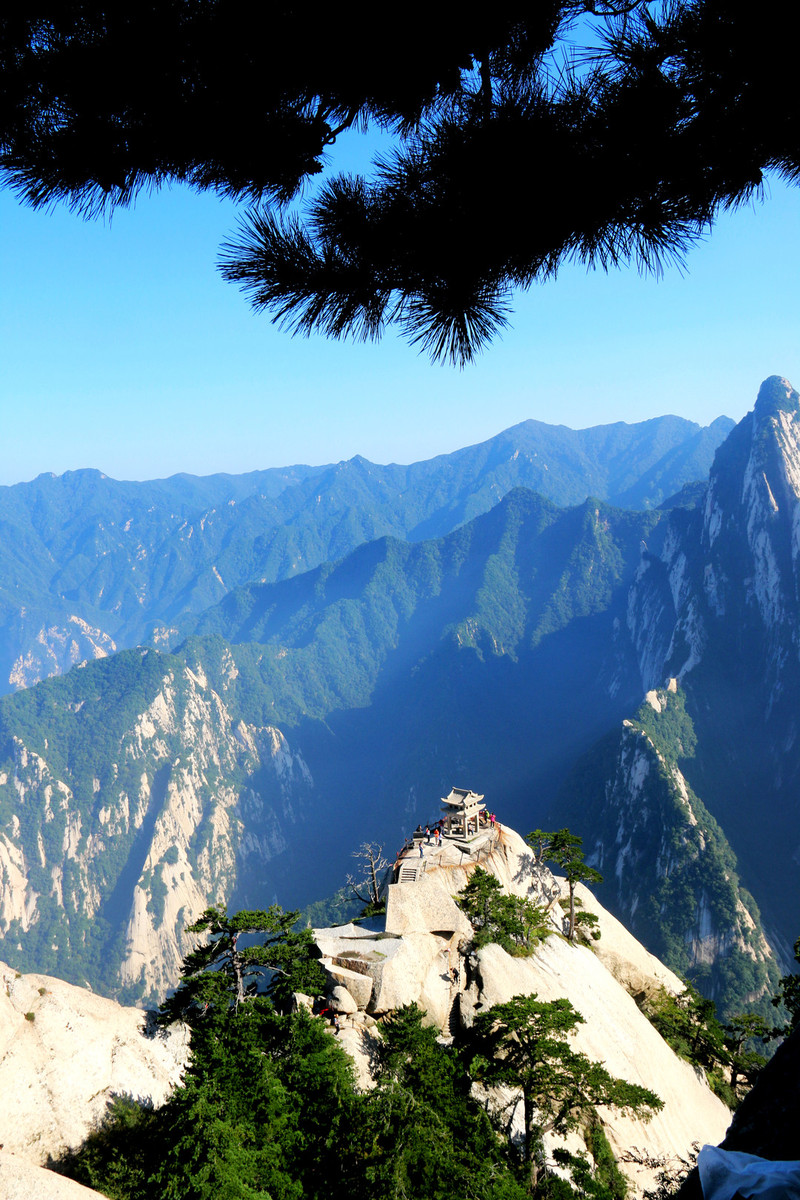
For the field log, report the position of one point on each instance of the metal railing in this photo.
(420, 865)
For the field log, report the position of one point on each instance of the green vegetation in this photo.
(268, 1107)
(725, 1052)
(669, 728)
(477, 99)
(607, 1172)
(524, 1044)
(675, 878)
(788, 994)
(513, 922)
(220, 972)
(564, 849)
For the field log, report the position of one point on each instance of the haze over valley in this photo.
(576, 623)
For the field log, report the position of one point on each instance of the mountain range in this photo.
(90, 565)
(631, 672)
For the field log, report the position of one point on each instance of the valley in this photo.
(486, 635)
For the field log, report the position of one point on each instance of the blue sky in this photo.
(123, 349)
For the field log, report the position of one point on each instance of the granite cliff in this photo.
(693, 804)
(67, 1051)
(423, 956)
(109, 851)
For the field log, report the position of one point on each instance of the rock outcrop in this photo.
(183, 804)
(423, 956)
(717, 609)
(669, 871)
(20, 1180)
(64, 1053)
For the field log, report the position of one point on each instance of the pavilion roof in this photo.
(462, 798)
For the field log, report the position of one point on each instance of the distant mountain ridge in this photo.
(89, 565)
(294, 719)
(301, 717)
(718, 607)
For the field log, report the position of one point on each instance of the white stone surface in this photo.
(617, 1034)
(417, 973)
(20, 1180)
(59, 1070)
(358, 985)
(359, 1042)
(341, 1001)
(639, 971)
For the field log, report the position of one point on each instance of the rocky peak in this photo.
(718, 608)
(734, 563)
(758, 467)
(776, 395)
(425, 956)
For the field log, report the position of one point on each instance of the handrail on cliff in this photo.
(421, 864)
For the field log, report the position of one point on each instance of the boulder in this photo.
(341, 1001)
(358, 985)
(360, 1042)
(416, 972)
(424, 906)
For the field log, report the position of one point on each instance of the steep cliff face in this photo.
(118, 837)
(731, 567)
(719, 610)
(668, 869)
(41, 644)
(424, 957)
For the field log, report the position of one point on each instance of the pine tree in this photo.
(524, 1044)
(524, 137)
(223, 971)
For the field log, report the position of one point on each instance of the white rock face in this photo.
(180, 779)
(617, 1034)
(56, 648)
(422, 960)
(64, 1053)
(21, 1180)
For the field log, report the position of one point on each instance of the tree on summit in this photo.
(367, 887)
(514, 923)
(523, 137)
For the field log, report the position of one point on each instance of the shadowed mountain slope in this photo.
(89, 564)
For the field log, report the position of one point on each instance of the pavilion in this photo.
(464, 813)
